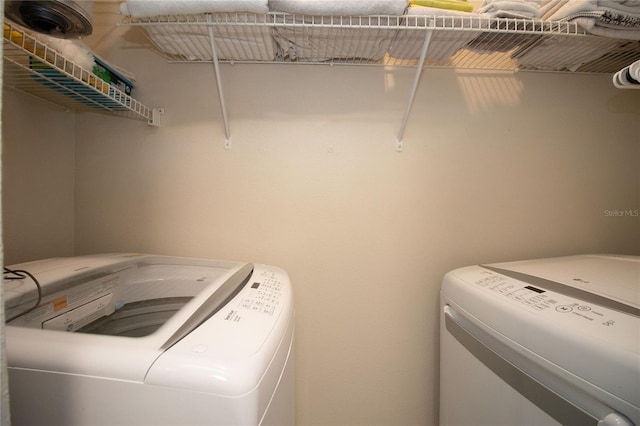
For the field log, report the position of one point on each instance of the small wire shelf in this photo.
(34, 68)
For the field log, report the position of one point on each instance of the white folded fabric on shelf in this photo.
(233, 42)
(322, 44)
(148, 8)
(351, 40)
(562, 53)
(607, 18)
(518, 9)
(340, 7)
(72, 49)
(454, 35)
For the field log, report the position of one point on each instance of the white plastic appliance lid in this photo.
(604, 279)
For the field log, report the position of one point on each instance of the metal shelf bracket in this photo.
(156, 117)
(216, 67)
(414, 88)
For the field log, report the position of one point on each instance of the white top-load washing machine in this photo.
(542, 342)
(149, 340)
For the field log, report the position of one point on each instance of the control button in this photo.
(584, 308)
(564, 308)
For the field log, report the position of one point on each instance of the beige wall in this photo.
(495, 167)
(37, 179)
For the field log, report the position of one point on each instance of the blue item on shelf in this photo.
(76, 90)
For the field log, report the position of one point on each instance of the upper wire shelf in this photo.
(36, 69)
(463, 42)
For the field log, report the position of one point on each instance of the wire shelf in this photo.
(34, 68)
(473, 42)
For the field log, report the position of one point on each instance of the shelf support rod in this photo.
(216, 67)
(416, 81)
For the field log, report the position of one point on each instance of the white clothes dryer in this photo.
(542, 342)
(134, 339)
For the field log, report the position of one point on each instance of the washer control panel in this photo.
(264, 294)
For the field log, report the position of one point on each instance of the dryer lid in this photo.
(606, 280)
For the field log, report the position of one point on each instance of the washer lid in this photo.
(57, 18)
(79, 290)
(606, 280)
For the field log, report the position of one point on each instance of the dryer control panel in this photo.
(568, 311)
(564, 318)
(540, 300)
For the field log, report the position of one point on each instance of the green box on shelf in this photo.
(111, 76)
